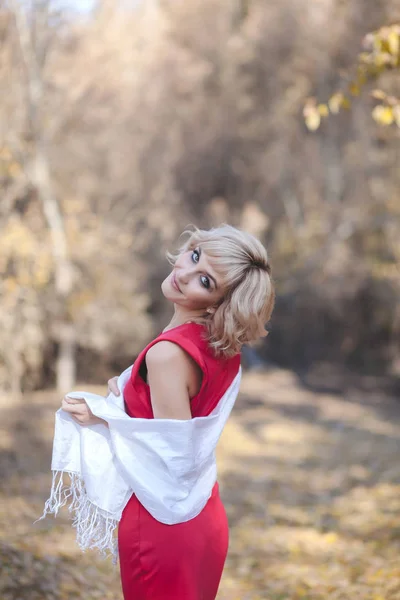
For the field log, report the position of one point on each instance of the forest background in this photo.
(121, 123)
(124, 124)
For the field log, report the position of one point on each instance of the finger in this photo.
(113, 386)
(78, 421)
(74, 400)
(67, 407)
(71, 408)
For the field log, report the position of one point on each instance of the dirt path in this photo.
(310, 480)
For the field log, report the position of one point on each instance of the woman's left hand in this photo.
(80, 412)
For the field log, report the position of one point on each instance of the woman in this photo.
(223, 296)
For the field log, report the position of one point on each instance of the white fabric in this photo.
(169, 464)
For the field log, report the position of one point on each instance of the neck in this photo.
(183, 316)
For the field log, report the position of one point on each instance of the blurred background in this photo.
(121, 123)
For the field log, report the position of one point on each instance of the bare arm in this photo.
(170, 373)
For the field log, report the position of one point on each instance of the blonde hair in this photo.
(246, 307)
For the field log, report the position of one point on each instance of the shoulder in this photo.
(166, 354)
(169, 381)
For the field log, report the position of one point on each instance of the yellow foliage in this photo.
(313, 121)
(361, 78)
(383, 115)
(382, 53)
(393, 42)
(364, 57)
(335, 102)
(323, 110)
(312, 116)
(382, 59)
(377, 42)
(378, 94)
(313, 113)
(331, 537)
(346, 103)
(396, 114)
(354, 89)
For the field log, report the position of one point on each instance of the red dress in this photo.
(183, 561)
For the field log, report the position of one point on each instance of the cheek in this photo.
(165, 288)
(201, 297)
(195, 295)
(194, 291)
(183, 260)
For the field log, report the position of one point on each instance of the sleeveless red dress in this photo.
(182, 561)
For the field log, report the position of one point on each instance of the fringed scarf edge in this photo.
(95, 527)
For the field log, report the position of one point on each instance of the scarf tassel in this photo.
(94, 527)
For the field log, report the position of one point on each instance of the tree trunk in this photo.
(66, 363)
(66, 333)
(33, 36)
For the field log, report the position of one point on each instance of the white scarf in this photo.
(169, 464)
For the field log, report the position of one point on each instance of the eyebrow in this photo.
(208, 274)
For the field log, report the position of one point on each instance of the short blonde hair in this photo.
(246, 307)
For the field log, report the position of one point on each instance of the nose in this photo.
(184, 275)
(186, 272)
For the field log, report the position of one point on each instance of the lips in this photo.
(175, 283)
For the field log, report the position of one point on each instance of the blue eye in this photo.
(205, 282)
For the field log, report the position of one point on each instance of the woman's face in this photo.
(193, 283)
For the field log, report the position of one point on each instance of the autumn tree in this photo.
(156, 115)
(65, 267)
(379, 58)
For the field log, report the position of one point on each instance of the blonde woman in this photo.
(223, 296)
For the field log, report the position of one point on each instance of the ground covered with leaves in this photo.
(310, 476)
